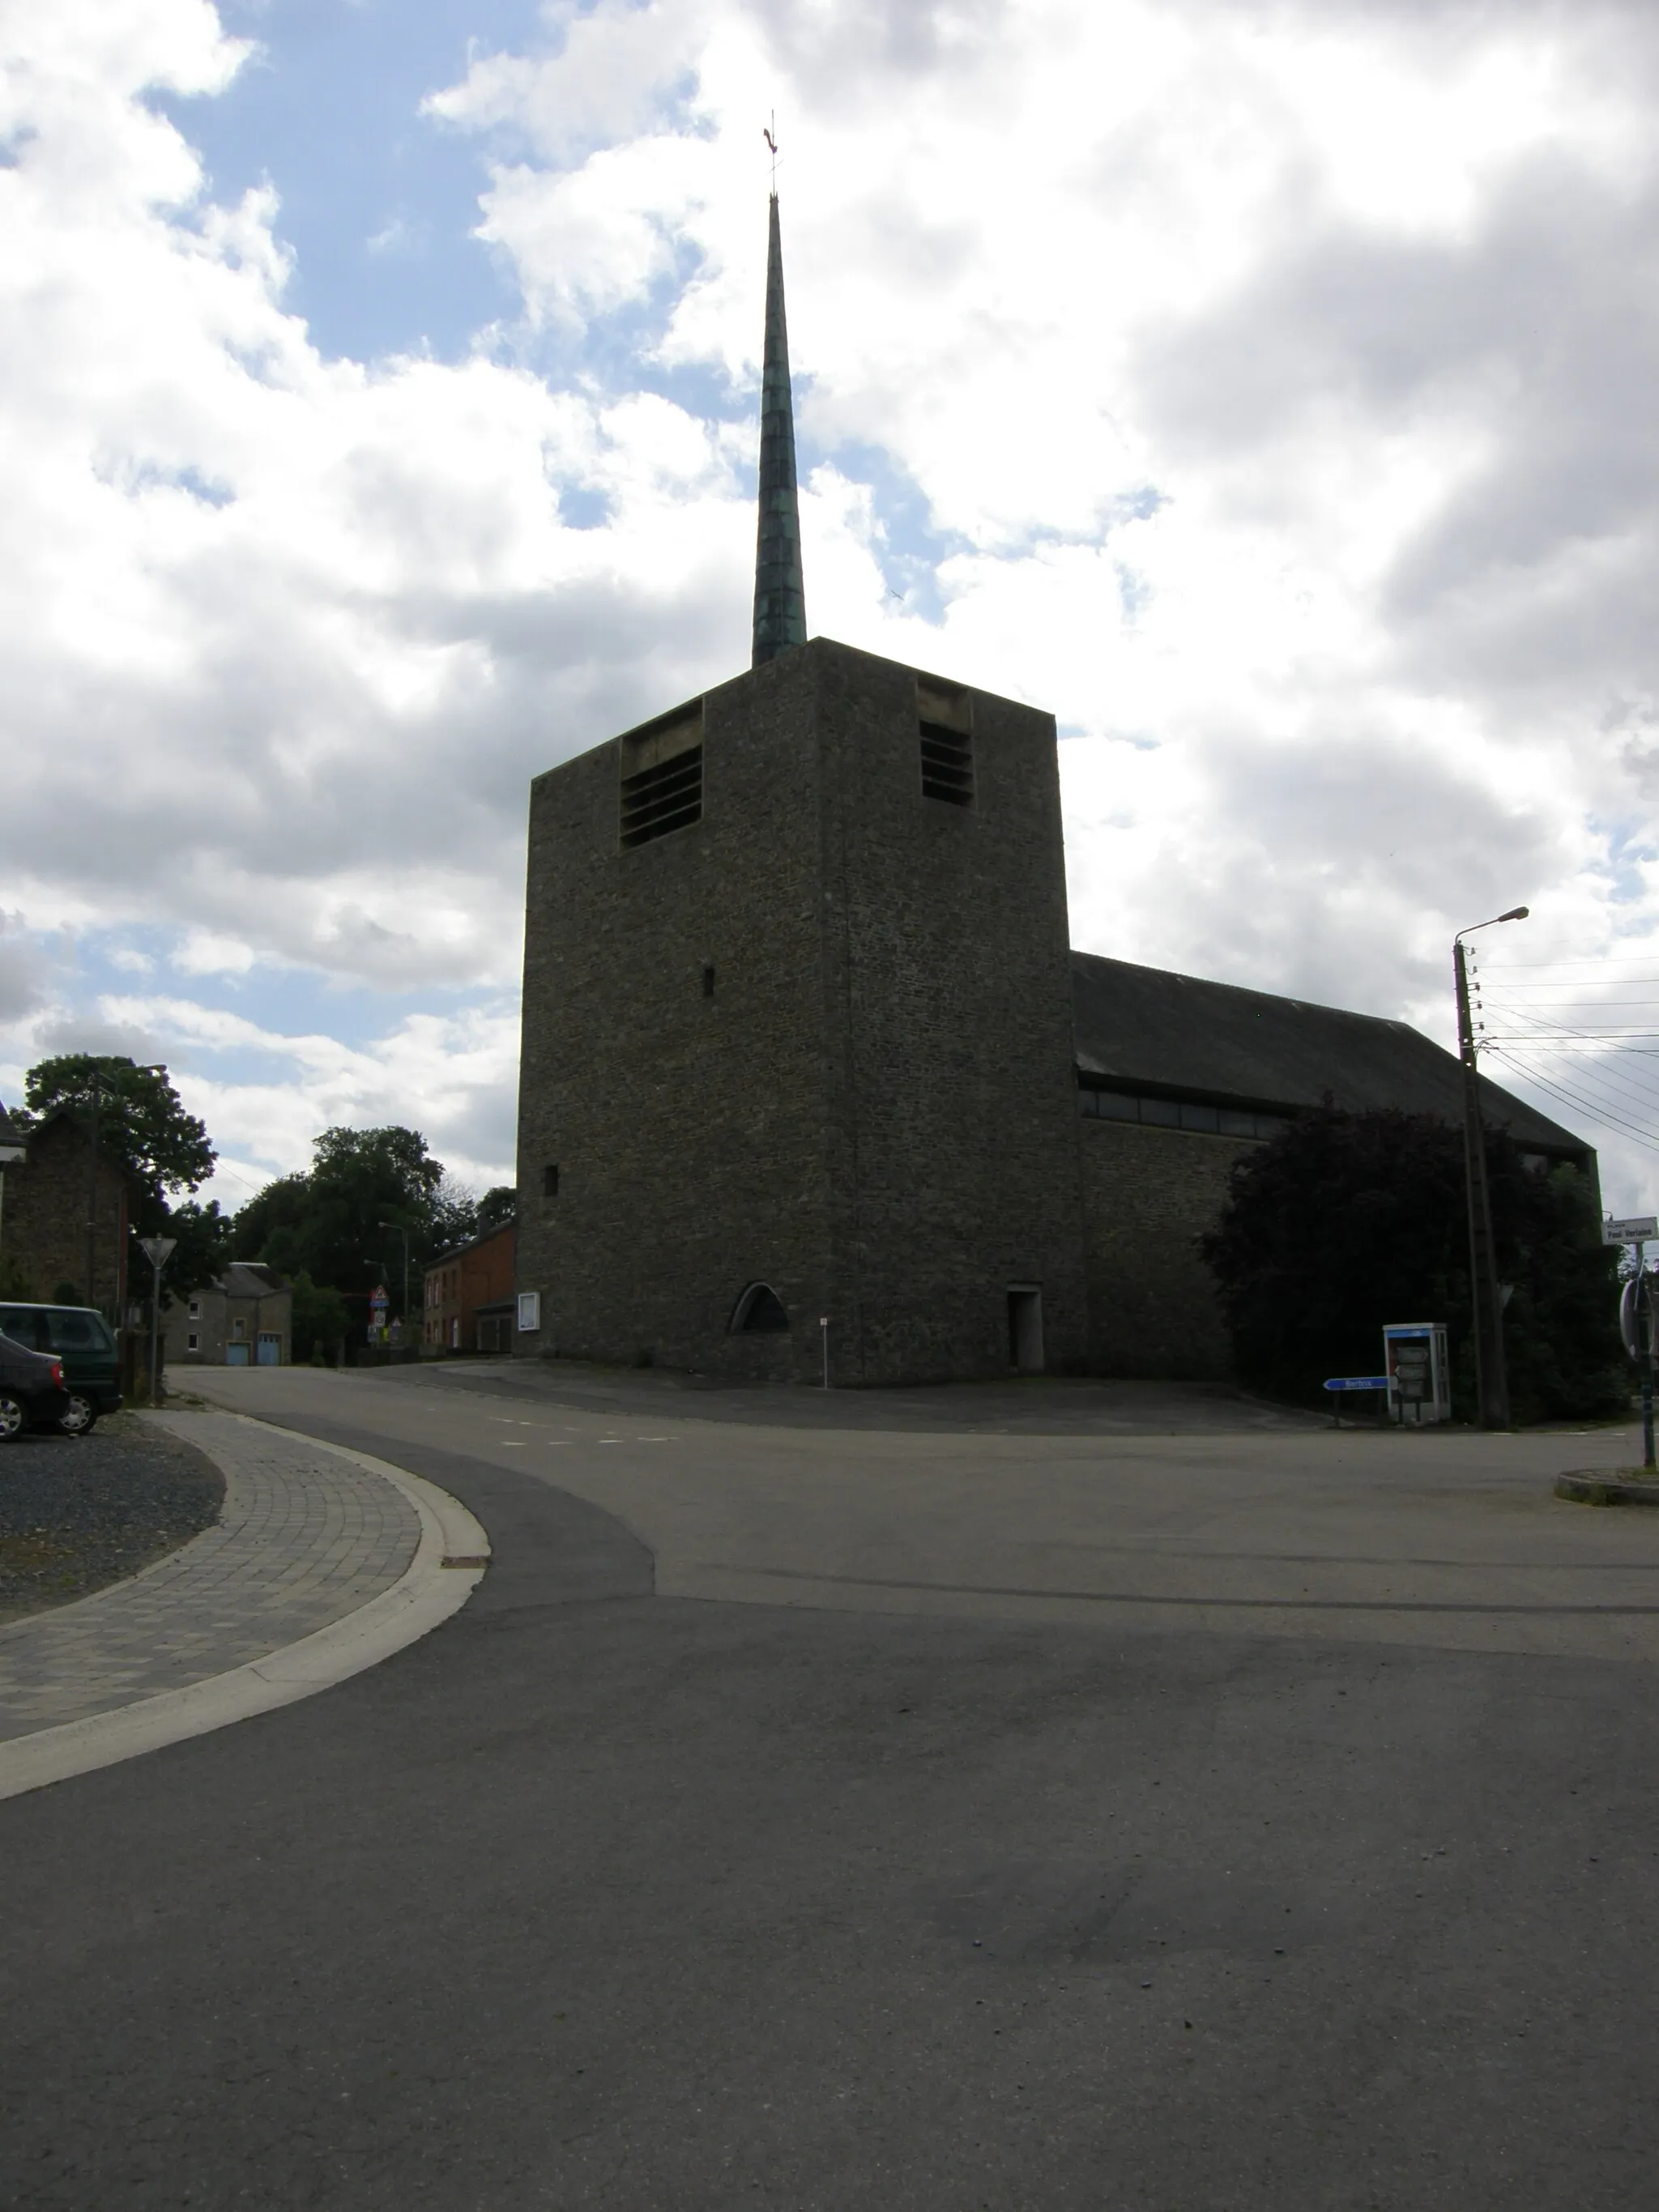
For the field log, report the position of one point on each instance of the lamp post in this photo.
(403, 1232)
(1492, 1384)
(158, 1250)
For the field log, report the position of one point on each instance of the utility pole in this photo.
(92, 1192)
(1492, 1381)
(403, 1232)
(1644, 1302)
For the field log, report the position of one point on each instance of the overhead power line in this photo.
(1600, 1115)
(1595, 1067)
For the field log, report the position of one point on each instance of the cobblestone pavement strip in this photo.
(305, 1536)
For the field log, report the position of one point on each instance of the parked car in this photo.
(80, 1338)
(31, 1392)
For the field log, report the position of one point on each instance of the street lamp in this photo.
(158, 1250)
(1492, 1382)
(404, 1233)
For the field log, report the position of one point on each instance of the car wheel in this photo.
(79, 1416)
(13, 1417)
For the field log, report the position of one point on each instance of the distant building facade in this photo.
(245, 1318)
(469, 1295)
(65, 1210)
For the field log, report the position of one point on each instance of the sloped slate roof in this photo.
(1148, 1025)
(248, 1278)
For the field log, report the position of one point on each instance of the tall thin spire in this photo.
(780, 599)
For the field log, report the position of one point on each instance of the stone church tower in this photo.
(798, 1017)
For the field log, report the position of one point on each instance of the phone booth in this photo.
(1418, 1371)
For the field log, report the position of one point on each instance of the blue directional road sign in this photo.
(1358, 1383)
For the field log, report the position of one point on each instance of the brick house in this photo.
(469, 1295)
(65, 1212)
(243, 1319)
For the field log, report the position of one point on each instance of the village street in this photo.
(1077, 1795)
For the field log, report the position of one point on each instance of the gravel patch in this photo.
(77, 1513)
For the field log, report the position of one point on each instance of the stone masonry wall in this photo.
(686, 1127)
(953, 1117)
(1148, 1194)
(873, 1113)
(43, 1220)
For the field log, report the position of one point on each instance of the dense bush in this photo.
(1345, 1221)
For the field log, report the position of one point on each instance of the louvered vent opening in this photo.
(668, 795)
(947, 764)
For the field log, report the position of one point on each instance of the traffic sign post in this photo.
(158, 1250)
(1338, 1384)
(1636, 1312)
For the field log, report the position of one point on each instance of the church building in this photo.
(814, 1086)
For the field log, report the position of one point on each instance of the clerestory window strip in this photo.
(1200, 1119)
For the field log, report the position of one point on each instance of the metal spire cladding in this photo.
(779, 597)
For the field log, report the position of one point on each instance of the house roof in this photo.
(1147, 1026)
(456, 1251)
(247, 1279)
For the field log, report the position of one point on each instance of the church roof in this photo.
(1149, 1029)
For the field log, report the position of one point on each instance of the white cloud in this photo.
(1270, 385)
(450, 1076)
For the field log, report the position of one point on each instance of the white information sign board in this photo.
(1642, 1230)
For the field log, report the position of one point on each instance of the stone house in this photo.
(469, 1295)
(65, 1213)
(244, 1318)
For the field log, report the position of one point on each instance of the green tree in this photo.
(1345, 1221)
(321, 1322)
(139, 1120)
(329, 1223)
(202, 1238)
(498, 1205)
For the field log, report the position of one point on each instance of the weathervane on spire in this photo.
(770, 138)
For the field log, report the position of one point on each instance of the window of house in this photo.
(195, 1308)
(549, 1181)
(238, 1326)
(192, 1342)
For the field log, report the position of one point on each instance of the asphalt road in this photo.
(600, 1897)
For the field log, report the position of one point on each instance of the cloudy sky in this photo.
(1267, 389)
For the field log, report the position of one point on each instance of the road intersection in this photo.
(933, 1804)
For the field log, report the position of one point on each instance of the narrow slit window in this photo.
(665, 797)
(550, 1181)
(947, 764)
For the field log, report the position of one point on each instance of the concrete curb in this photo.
(1592, 1485)
(448, 1565)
